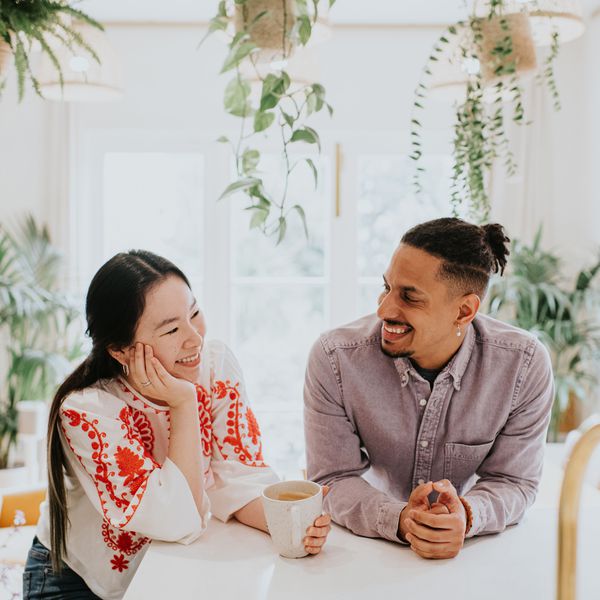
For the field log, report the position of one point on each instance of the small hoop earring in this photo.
(125, 370)
(458, 333)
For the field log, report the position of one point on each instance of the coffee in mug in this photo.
(291, 507)
(291, 496)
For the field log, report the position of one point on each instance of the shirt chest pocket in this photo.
(461, 462)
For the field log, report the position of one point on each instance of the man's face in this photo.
(418, 311)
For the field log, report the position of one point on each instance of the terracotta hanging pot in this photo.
(271, 32)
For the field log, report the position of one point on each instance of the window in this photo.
(268, 303)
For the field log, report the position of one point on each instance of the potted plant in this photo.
(533, 295)
(489, 56)
(262, 36)
(29, 24)
(35, 319)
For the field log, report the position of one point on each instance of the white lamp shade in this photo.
(84, 79)
(564, 17)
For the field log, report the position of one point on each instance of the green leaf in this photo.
(236, 98)
(304, 29)
(311, 103)
(241, 184)
(223, 139)
(300, 211)
(315, 98)
(308, 135)
(281, 229)
(288, 118)
(259, 215)
(250, 160)
(273, 88)
(311, 164)
(236, 55)
(263, 120)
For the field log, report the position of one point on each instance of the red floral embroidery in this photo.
(124, 543)
(99, 455)
(243, 433)
(142, 424)
(205, 419)
(119, 563)
(253, 428)
(134, 436)
(131, 466)
(135, 472)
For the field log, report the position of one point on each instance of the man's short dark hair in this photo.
(469, 253)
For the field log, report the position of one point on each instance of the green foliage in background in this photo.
(25, 22)
(533, 295)
(35, 319)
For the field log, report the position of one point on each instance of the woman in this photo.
(150, 433)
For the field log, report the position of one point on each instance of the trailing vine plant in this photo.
(281, 105)
(486, 49)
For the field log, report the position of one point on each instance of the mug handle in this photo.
(296, 526)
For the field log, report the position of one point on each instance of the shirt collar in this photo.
(455, 368)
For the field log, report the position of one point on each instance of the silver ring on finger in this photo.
(146, 383)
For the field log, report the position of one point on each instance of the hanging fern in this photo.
(23, 22)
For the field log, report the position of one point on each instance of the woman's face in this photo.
(174, 326)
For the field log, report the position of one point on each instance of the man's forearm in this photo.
(364, 510)
(496, 504)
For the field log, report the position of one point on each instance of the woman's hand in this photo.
(151, 379)
(316, 535)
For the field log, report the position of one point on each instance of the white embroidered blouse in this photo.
(123, 491)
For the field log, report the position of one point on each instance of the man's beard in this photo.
(402, 354)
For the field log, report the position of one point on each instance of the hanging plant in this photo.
(262, 37)
(492, 54)
(27, 23)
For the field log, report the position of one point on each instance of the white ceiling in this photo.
(413, 12)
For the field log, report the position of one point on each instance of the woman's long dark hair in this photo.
(114, 304)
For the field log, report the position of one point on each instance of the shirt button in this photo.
(421, 481)
(424, 444)
(422, 402)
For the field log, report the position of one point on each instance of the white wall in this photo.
(370, 75)
(23, 152)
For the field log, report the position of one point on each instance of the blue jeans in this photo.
(40, 582)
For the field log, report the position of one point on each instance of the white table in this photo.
(232, 561)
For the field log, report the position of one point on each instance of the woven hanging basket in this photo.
(272, 30)
(5, 53)
(523, 48)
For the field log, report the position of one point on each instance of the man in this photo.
(403, 409)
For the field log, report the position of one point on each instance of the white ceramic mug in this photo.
(288, 519)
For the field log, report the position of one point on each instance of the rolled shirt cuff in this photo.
(479, 508)
(388, 520)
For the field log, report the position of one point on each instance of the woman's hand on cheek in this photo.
(151, 379)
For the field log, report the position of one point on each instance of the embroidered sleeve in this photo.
(118, 473)
(238, 465)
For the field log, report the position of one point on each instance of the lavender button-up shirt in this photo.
(375, 429)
